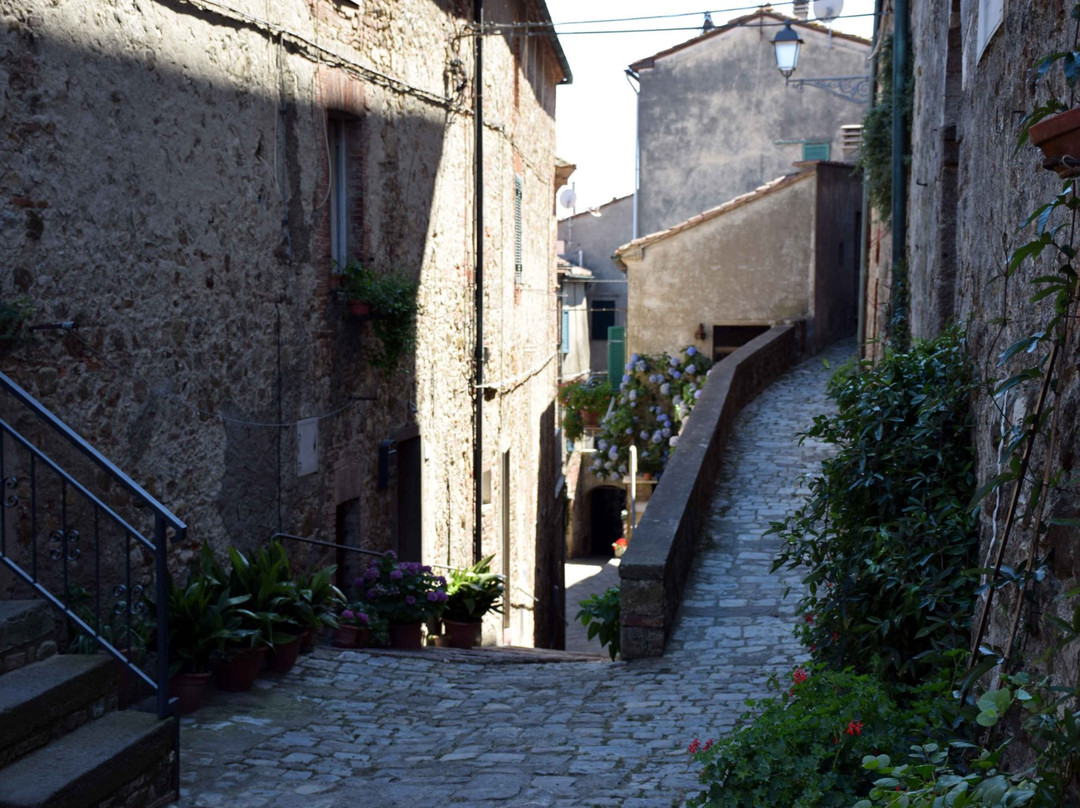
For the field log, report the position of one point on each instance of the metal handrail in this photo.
(164, 520)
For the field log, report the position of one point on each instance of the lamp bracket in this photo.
(855, 89)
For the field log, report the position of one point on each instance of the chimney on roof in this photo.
(708, 24)
(801, 9)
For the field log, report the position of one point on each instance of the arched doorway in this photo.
(606, 505)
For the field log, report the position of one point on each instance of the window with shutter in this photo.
(566, 331)
(816, 150)
(518, 268)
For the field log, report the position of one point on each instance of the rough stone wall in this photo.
(998, 188)
(713, 117)
(165, 186)
(736, 268)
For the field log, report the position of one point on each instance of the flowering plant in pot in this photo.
(652, 405)
(584, 403)
(619, 546)
(471, 593)
(1054, 126)
(353, 627)
(405, 593)
(390, 298)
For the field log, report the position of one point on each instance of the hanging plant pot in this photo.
(358, 308)
(1059, 138)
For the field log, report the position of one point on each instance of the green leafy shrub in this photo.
(654, 400)
(804, 747)
(393, 299)
(600, 614)
(886, 534)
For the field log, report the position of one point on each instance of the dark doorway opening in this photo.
(727, 338)
(349, 533)
(606, 507)
(409, 500)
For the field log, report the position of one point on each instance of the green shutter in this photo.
(816, 150)
(566, 331)
(616, 353)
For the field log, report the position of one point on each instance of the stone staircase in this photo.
(63, 742)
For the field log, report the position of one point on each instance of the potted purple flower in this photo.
(353, 628)
(405, 593)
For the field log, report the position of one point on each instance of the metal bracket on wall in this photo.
(855, 89)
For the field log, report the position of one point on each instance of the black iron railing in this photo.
(98, 563)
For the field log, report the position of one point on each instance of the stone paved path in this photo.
(357, 729)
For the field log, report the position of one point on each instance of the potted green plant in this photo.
(405, 593)
(390, 299)
(1054, 126)
(319, 603)
(584, 403)
(204, 618)
(600, 615)
(13, 313)
(471, 593)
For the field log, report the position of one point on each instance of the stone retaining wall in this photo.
(656, 565)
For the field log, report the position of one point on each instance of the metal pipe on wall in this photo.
(478, 351)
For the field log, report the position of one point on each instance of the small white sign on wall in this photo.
(307, 446)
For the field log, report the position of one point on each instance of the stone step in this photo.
(494, 655)
(124, 757)
(26, 628)
(42, 701)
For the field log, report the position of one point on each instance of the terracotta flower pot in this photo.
(358, 308)
(237, 674)
(1059, 136)
(460, 635)
(406, 636)
(281, 658)
(188, 690)
(363, 637)
(345, 636)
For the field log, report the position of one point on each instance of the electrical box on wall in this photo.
(307, 447)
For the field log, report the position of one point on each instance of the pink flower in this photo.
(800, 675)
(854, 728)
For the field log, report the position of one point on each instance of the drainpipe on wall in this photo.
(478, 351)
(631, 77)
(864, 235)
(899, 190)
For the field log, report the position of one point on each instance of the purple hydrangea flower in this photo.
(691, 351)
(410, 600)
(396, 575)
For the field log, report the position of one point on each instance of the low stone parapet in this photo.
(654, 570)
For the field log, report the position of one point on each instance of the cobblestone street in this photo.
(383, 729)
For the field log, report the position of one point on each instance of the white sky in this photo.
(595, 115)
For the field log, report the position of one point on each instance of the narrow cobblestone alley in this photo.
(357, 729)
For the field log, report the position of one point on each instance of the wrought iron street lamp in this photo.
(851, 88)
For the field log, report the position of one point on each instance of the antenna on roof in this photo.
(708, 25)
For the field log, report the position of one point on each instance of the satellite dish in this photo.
(568, 198)
(828, 10)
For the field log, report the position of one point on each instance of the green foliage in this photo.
(578, 399)
(204, 618)
(804, 747)
(393, 299)
(875, 153)
(318, 599)
(652, 405)
(886, 534)
(473, 592)
(12, 315)
(1070, 67)
(600, 615)
(931, 780)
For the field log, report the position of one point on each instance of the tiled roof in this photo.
(648, 61)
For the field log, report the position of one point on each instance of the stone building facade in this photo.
(970, 191)
(715, 119)
(181, 180)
